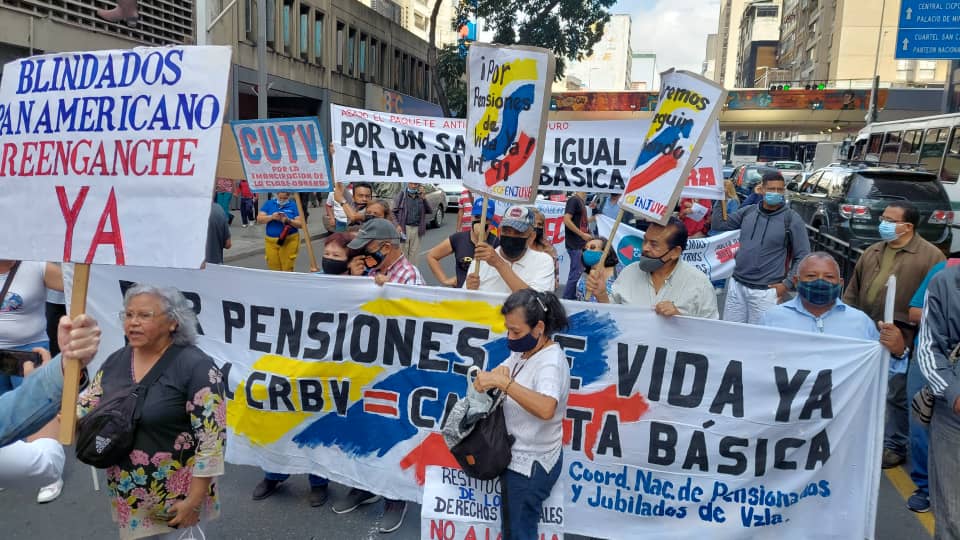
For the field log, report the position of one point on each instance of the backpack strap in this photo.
(8, 281)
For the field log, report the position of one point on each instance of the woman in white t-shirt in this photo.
(536, 380)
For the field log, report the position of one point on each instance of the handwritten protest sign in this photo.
(508, 97)
(685, 115)
(98, 148)
(457, 507)
(283, 155)
(389, 147)
(665, 436)
(705, 180)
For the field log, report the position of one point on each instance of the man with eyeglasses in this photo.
(903, 253)
(384, 260)
(773, 241)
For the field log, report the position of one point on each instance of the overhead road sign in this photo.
(928, 30)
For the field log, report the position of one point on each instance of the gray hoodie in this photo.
(765, 243)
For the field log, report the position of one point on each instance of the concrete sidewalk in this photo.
(248, 241)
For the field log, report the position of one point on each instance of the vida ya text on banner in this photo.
(715, 256)
(686, 111)
(673, 428)
(508, 97)
(283, 155)
(98, 148)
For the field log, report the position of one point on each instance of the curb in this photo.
(235, 256)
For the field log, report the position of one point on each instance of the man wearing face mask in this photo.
(661, 279)
(818, 309)
(514, 265)
(902, 253)
(773, 240)
(412, 211)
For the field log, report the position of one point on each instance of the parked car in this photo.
(746, 177)
(786, 166)
(452, 193)
(847, 202)
(435, 197)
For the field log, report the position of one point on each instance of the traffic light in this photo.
(780, 87)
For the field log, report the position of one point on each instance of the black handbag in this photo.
(105, 436)
(486, 451)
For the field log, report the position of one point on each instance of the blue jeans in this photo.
(576, 269)
(9, 382)
(247, 213)
(523, 497)
(315, 481)
(919, 436)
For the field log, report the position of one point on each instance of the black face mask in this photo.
(334, 267)
(377, 256)
(513, 247)
(539, 237)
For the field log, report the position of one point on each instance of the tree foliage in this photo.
(451, 69)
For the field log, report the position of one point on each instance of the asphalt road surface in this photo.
(82, 513)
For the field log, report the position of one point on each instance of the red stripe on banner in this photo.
(512, 163)
(656, 170)
(381, 394)
(376, 408)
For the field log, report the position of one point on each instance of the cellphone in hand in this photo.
(11, 362)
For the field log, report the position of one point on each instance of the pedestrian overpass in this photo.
(803, 111)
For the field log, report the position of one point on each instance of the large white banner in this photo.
(108, 157)
(715, 256)
(686, 114)
(674, 428)
(283, 155)
(508, 97)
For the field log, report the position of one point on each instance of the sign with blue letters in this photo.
(928, 30)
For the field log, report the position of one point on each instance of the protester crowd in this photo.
(777, 282)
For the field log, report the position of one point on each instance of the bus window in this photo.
(931, 154)
(951, 162)
(873, 149)
(744, 152)
(775, 151)
(910, 149)
(857, 150)
(891, 146)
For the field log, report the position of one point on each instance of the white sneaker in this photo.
(51, 492)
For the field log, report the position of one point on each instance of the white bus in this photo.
(742, 153)
(931, 143)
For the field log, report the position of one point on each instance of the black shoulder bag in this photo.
(105, 436)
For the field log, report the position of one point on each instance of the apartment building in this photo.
(609, 65)
(709, 67)
(414, 15)
(728, 41)
(759, 35)
(319, 51)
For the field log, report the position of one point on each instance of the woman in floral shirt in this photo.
(167, 481)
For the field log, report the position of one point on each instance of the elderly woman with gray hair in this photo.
(167, 482)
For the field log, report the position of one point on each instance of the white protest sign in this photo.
(686, 111)
(286, 154)
(100, 151)
(674, 428)
(372, 146)
(705, 180)
(457, 507)
(508, 97)
(715, 256)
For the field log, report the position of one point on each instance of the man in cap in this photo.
(512, 266)
(382, 256)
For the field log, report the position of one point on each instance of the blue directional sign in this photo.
(929, 30)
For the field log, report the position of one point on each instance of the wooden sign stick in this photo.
(483, 227)
(306, 234)
(71, 366)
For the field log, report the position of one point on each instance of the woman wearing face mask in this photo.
(281, 239)
(461, 245)
(592, 252)
(336, 254)
(542, 244)
(535, 379)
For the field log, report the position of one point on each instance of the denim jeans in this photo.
(523, 498)
(576, 269)
(315, 481)
(919, 434)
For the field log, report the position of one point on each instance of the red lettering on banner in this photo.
(702, 177)
(553, 230)
(70, 213)
(113, 237)
(442, 530)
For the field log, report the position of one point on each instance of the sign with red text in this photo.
(686, 112)
(108, 157)
(283, 155)
(705, 180)
(508, 97)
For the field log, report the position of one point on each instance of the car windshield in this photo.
(756, 174)
(788, 166)
(895, 187)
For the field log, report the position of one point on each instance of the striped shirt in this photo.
(466, 205)
(402, 271)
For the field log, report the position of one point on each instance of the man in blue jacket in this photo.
(773, 241)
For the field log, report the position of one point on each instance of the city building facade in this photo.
(759, 35)
(609, 66)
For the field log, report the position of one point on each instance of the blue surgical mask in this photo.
(591, 257)
(888, 230)
(773, 199)
(819, 292)
(523, 344)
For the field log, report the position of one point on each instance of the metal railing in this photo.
(843, 252)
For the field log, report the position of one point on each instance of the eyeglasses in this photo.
(130, 316)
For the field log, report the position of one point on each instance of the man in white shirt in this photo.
(661, 279)
(513, 266)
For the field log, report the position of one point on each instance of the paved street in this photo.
(81, 513)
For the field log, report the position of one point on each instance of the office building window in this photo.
(362, 62)
(419, 21)
(351, 51)
(372, 72)
(271, 24)
(304, 33)
(397, 59)
(285, 23)
(767, 11)
(318, 38)
(341, 38)
(384, 65)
